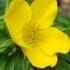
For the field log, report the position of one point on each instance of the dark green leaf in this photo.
(62, 65)
(2, 63)
(26, 65)
(65, 57)
(29, 1)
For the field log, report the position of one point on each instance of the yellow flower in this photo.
(31, 28)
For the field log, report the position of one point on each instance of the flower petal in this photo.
(40, 7)
(38, 58)
(17, 14)
(48, 17)
(55, 42)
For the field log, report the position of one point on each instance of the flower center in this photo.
(32, 35)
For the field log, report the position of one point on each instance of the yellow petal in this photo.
(40, 7)
(55, 42)
(17, 15)
(13, 3)
(38, 58)
(48, 17)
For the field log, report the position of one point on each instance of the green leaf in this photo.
(62, 65)
(63, 19)
(17, 62)
(3, 6)
(21, 62)
(2, 25)
(62, 22)
(29, 1)
(26, 64)
(5, 44)
(5, 41)
(65, 57)
(1, 17)
(2, 63)
(10, 63)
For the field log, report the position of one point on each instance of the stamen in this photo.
(32, 35)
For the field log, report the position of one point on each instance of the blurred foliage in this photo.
(63, 23)
(11, 56)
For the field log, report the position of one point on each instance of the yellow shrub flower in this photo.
(31, 28)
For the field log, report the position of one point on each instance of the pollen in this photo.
(32, 34)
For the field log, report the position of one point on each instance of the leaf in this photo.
(11, 63)
(17, 62)
(1, 17)
(62, 65)
(2, 7)
(65, 57)
(2, 25)
(5, 44)
(29, 1)
(5, 41)
(27, 65)
(2, 63)
(21, 62)
(63, 19)
(62, 22)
